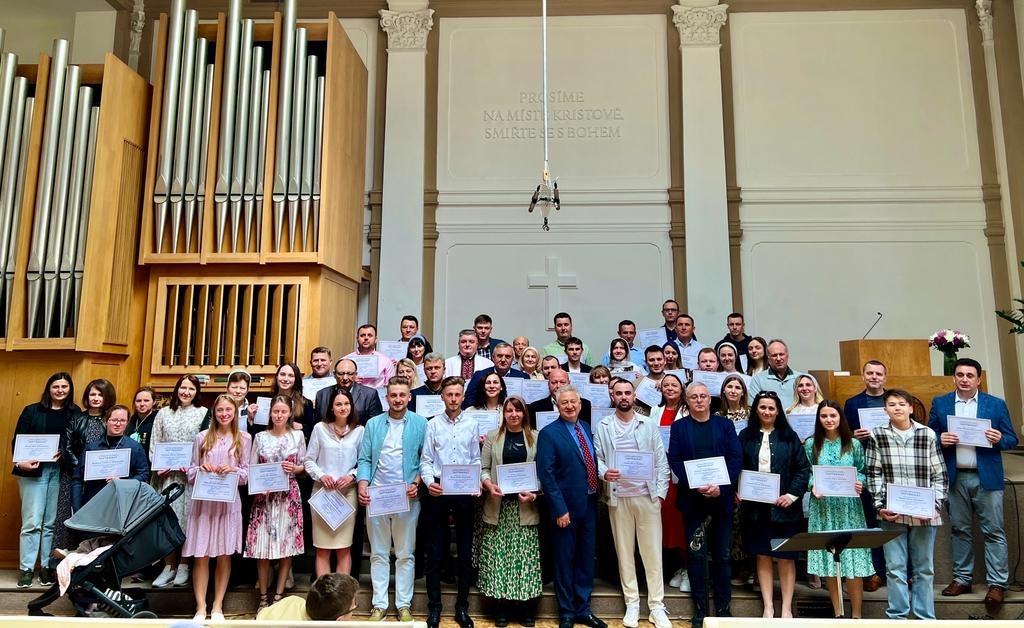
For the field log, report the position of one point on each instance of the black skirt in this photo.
(759, 536)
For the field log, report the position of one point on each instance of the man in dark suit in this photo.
(574, 356)
(567, 469)
(557, 379)
(502, 356)
(975, 480)
(366, 399)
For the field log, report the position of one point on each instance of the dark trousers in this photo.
(573, 549)
(717, 543)
(871, 519)
(438, 509)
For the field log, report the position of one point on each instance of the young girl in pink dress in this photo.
(215, 528)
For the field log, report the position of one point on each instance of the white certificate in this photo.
(107, 463)
(267, 478)
(629, 376)
(579, 380)
(707, 471)
(648, 337)
(262, 411)
(910, 500)
(312, 385)
(830, 481)
(514, 386)
(598, 413)
(870, 418)
(971, 431)
(387, 499)
(332, 507)
(802, 424)
(215, 487)
(755, 486)
(33, 447)
(713, 380)
(683, 376)
(545, 419)
(382, 395)
(517, 478)
(562, 359)
(460, 479)
(366, 365)
(535, 390)
(648, 393)
(429, 405)
(635, 465)
(486, 420)
(743, 367)
(666, 434)
(170, 455)
(394, 349)
(740, 426)
(597, 394)
(688, 361)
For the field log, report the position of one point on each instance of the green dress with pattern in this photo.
(837, 513)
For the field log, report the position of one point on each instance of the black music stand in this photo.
(834, 542)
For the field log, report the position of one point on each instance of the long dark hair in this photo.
(781, 423)
(47, 401)
(845, 433)
(298, 403)
(175, 401)
(106, 389)
(353, 415)
(502, 393)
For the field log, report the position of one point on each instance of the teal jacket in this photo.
(373, 442)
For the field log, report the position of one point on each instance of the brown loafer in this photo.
(873, 583)
(956, 588)
(995, 595)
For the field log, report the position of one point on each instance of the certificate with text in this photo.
(486, 420)
(394, 349)
(517, 478)
(802, 424)
(514, 386)
(535, 390)
(755, 486)
(971, 431)
(635, 465)
(429, 405)
(707, 471)
(107, 463)
(215, 487)
(267, 478)
(835, 481)
(545, 419)
(366, 365)
(597, 395)
(915, 501)
(33, 447)
(387, 499)
(647, 337)
(170, 456)
(262, 416)
(332, 507)
(712, 379)
(870, 418)
(648, 392)
(460, 479)
(666, 435)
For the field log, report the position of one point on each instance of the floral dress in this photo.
(838, 513)
(275, 522)
(177, 426)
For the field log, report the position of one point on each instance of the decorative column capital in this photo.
(407, 29)
(984, 9)
(699, 22)
(137, 26)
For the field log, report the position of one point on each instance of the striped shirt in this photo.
(914, 460)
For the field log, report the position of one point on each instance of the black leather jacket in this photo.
(789, 460)
(75, 441)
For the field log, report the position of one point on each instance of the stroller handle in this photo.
(173, 491)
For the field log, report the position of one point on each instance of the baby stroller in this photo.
(142, 530)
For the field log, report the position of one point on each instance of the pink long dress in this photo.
(215, 528)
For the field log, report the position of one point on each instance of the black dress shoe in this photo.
(434, 618)
(566, 622)
(528, 621)
(463, 619)
(591, 620)
(501, 621)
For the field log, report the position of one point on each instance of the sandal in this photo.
(277, 597)
(263, 603)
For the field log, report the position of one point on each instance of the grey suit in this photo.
(366, 400)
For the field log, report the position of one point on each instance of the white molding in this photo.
(569, 197)
(861, 195)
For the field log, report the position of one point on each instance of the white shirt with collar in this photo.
(966, 455)
(449, 441)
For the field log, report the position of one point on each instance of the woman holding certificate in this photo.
(215, 527)
(492, 394)
(86, 482)
(178, 422)
(275, 523)
(770, 446)
(331, 461)
(288, 383)
(39, 475)
(510, 551)
(833, 445)
(618, 358)
(672, 409)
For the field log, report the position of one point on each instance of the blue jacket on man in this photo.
(680, 449)
(990, 459)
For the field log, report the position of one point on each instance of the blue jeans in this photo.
(384, 530)
(919, 542)
(967, 498)
(38, 516)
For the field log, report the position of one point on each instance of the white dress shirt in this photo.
(389, 466)
(449, 441)
(329, 454)
(966, 455)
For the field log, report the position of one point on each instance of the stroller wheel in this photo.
(144, 615)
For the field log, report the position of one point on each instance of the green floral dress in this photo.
(837, 513)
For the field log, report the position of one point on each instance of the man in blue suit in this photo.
(975, 480)
(503, 356)
(703, 435)
(567, 469)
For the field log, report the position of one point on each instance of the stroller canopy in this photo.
(118, 506)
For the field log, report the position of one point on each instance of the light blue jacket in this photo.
(373, 442)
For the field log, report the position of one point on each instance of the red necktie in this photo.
(588, 461)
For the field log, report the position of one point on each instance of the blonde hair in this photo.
(535, 368)
(415, 380)
(818, 398)
(211, 434)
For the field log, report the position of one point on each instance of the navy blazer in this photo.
(990, 460)
(680, 449)
(475, 385)
(561, 470)
(852, 407)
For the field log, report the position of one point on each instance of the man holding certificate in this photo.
(389, 455)
(905, 455)
(98, 464)
(451, 449)
(557, 379)
(377, 368)
(974, 429)
(631, 459)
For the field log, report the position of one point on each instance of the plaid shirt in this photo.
(917, 462)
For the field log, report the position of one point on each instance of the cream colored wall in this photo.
(94, 36)
(33, 25)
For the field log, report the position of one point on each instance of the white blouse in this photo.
(329, 454)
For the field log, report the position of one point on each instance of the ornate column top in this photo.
(984, 9)
(699, 22)
(407, 29)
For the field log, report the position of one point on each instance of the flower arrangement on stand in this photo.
(949, 342)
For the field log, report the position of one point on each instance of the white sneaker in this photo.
(684, 583)
(632, 617)
(659, 617)
(165, 577)
(181, 578)
(676, 578)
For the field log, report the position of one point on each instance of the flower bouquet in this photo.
(949, 342)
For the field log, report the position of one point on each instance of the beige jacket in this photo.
(490, 458)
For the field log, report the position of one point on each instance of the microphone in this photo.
(872, 326)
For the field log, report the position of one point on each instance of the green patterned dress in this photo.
(837, 513)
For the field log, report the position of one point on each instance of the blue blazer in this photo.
(990, 460)
(852, 407)
(680, 449)
(561, 470)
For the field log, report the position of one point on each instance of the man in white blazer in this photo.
(467, 362)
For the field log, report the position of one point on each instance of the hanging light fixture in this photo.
(546, 195)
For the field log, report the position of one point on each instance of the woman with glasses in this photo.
(114, 422)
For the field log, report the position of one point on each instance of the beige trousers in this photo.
(638, 519)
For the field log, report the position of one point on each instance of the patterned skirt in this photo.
(510, 557)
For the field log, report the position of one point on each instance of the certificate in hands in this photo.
(170, 456)
(802, 424)
(517, 478)
(971, 431)
(545, 419)
(366, 365)
(635, 465)
(387, 499)
(262, 411)
(648, 392)
(707, 471)
(460, 479)
(910, 500)
(394, 349)
(535, 390)
(835, 481)
(32, 447)
(755, 486)
(666, 434)
(514, 386)
(579, 380)
(215, 487)
(712, 379)
(597, 394)
(332, 507)
(429, 405)
(486, 420)
(267, 478)
(648, 337)
(107, 463)
(870, 418)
